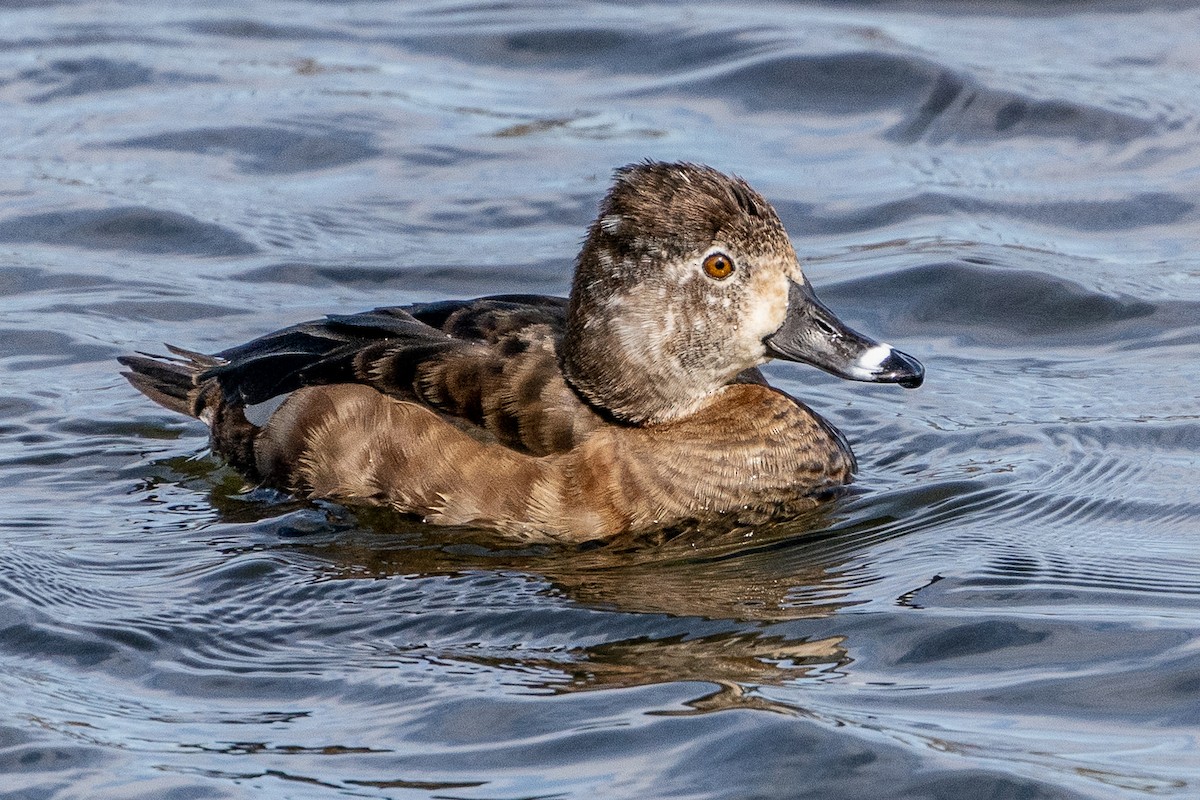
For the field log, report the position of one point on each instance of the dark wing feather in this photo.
(488, 319)
(505, 379)
(436, 314)
(383, 348)
(490, 362)
(320, 352)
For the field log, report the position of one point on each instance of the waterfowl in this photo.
(632, 405)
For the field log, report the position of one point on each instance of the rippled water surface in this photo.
(1006, 190)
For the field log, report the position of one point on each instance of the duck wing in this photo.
(316, 352)
(489, 363)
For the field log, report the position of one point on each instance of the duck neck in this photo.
(617, 364)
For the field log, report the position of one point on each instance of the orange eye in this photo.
(718, 265)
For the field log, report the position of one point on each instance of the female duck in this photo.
(633, 405)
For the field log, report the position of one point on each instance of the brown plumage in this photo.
(633, 405)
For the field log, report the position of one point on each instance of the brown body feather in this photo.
(352, 443)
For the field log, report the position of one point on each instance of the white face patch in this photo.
(766, 308)
(868, 364)
(766, 313)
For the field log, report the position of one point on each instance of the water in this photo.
(1007, 190)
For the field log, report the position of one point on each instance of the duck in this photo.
(635, 404)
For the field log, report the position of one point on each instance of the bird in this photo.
(635, 404)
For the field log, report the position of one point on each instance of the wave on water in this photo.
(1004, 605)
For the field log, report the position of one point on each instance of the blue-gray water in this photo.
(1006, 190)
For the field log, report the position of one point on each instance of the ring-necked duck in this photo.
(634, 404)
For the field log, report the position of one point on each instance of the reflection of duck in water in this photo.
(681, 612)
(634, 405)
(797, 574)
(736, 662)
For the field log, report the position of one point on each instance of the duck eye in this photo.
(718, 265)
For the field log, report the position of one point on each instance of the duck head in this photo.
(686, 279)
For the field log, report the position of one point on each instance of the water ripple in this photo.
(1005, 604)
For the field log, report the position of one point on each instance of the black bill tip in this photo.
(900, 368)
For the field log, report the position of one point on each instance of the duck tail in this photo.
(174, 381)
(181, 383)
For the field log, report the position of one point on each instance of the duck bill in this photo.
(812, 334)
